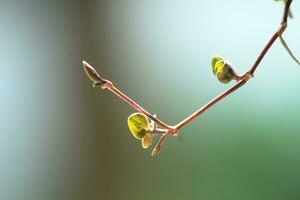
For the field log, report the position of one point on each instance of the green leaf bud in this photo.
(224, 72)
(214, 60)
(138, 125)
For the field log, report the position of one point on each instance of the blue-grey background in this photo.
(61, 139)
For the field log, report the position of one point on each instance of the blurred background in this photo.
(61, 139)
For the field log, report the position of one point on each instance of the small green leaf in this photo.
(224, 72)
(214, 60)
(138, 125)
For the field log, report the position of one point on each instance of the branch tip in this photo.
(92, 73)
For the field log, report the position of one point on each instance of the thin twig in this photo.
(246, 76)
(173, 130)
(268, 46)
(120, 94)
(210, 104)
(289, 50)
(159, 145)
(106, 84)
(286, 11)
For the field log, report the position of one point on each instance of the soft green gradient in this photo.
(61, 139)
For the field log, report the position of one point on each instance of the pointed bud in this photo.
(92, 73)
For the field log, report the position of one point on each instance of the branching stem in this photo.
(242, 80)
(139, 108)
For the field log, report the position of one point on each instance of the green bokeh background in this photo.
(61, 139)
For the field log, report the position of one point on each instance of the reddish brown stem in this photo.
(286, 11)
(138, 107)
(210, 104)
(274, 37)
(267, 47)
(173, 130)
(246, 76)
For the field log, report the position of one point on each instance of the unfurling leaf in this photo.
(214, 60)
(147, 140)
(138, 125)
(222, 70)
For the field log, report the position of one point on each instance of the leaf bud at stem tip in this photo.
(92, 73)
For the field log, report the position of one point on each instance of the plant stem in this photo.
(284, 44)
(159, 145)
(246, 76)
(135, 105)
(106, 84)
(209, 104)
(267, 47)
(173, 130)
(286, 11)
